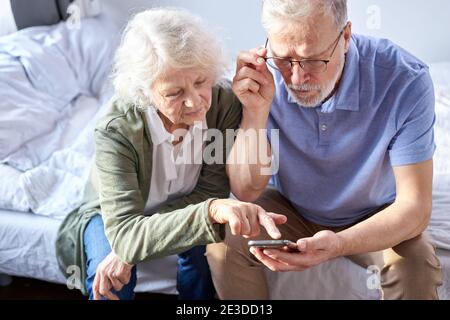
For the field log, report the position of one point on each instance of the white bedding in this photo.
(55, 187)
(43, 69)
(439, 227)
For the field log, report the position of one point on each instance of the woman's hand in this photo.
(111, 273)
(245, 218)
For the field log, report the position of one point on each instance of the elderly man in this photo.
(355, 117)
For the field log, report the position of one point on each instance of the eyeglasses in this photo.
(308, 65)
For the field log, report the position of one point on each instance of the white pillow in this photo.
(7, 22)
(46, 68)
(24, 13)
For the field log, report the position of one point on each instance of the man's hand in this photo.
(253, 83)
(323, 246)
(245, 218)
(111, 273)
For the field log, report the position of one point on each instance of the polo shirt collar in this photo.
(347, 95)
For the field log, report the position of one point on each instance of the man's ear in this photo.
(347, 35)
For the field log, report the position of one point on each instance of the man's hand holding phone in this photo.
(323, 246)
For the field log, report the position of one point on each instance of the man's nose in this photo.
(299, 76)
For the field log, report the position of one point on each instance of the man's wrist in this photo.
(254, 120)
(343, 247)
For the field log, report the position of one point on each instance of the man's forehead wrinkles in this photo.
(302, 46)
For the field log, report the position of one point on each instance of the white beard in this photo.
(323, 92)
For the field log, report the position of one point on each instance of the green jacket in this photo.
(120, 186)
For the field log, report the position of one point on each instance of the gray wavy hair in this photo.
(277, 13)
(164, 37)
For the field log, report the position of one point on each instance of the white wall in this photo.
(237, 21)
(422, 27)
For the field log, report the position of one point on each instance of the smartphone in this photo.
(267, 244)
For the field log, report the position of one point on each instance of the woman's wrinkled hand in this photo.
(111, 273)
(245, 218)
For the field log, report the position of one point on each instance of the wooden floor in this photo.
(30, 289)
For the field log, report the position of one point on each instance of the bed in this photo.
(46, 152)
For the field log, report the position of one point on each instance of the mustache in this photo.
(305, 87)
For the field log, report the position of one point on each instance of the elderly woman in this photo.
(153, 193)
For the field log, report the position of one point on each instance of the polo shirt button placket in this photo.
(324, 129)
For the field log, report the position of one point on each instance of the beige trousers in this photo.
(410, 270)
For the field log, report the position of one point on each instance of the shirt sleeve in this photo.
(414, 140)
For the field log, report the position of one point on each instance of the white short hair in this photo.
(277, 14)
(164, 37)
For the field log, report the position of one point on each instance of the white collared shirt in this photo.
(175, 169)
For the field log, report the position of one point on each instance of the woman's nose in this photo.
(192, 101)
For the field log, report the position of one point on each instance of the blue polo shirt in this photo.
(335, 161)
